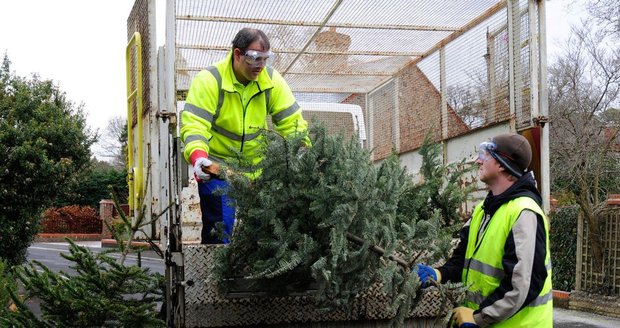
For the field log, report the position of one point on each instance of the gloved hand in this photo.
(427, 273)
(464, 317)
(198, 168)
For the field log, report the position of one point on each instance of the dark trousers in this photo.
(215, 207)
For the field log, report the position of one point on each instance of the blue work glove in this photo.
(469, 325)
(198, 168)
(427, 273)
(464, 317)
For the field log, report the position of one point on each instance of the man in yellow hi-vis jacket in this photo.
(503, 255)
(226, 108)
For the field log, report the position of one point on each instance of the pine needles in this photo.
(327, 216)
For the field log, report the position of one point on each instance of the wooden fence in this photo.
(607, 280)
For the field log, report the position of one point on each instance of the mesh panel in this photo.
(498, 69)
(381, 55)
(420, 103)
(523, 114)
(314, 39)
(334, 122)
(382, 114)
(138, 22)
(468, 90)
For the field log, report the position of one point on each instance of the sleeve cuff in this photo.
(479, 319)
(438, 273)
(196, 155)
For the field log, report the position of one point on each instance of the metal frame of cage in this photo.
(512, 95)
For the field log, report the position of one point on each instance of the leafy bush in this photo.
(92, 185)
(44, 142)
(17, 232)
(563, 239)
(71, 219)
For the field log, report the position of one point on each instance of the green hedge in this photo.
(563, 239)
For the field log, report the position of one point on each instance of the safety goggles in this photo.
(485, 150)
(258, 58)
(488, 149)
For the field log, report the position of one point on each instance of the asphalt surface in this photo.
(576, 319)
(49, 255)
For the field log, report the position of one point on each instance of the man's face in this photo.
(489, 169)
(250, 64)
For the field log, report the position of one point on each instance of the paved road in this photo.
(49, 254)
(575, 319)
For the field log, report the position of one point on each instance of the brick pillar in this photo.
(125, 208)
(106, 213)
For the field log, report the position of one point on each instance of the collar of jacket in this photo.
(226, 69)
(525, 186)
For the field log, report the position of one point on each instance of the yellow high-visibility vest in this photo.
(483, 269)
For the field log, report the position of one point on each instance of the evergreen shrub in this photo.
(563, 240)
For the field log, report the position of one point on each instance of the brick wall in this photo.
(108, 212)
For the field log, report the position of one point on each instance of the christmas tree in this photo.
(104, 291)
(327, 216)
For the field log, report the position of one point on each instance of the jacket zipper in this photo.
(245, 108)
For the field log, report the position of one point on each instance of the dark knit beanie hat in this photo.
(514, 151)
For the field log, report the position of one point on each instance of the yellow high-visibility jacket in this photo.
(222, 117)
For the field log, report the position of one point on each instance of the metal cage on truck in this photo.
(388, 71)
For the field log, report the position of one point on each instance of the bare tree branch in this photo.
(584, 84)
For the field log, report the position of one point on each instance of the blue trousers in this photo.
(215, 207)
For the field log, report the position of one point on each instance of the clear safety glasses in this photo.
(258, 58)
(485, 150)
(488, 149)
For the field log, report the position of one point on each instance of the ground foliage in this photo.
(7, 286)
(297, 219)
(103, 293)
(101, 290)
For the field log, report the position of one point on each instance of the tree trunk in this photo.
(359, 241)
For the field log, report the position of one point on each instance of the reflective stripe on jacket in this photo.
(220, 121)
(484, 271)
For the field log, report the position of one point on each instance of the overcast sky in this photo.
(80, 44)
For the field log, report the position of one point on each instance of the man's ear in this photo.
(237, 54)
(503, 169)
(505, 172)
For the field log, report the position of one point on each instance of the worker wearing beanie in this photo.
(503, 254)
